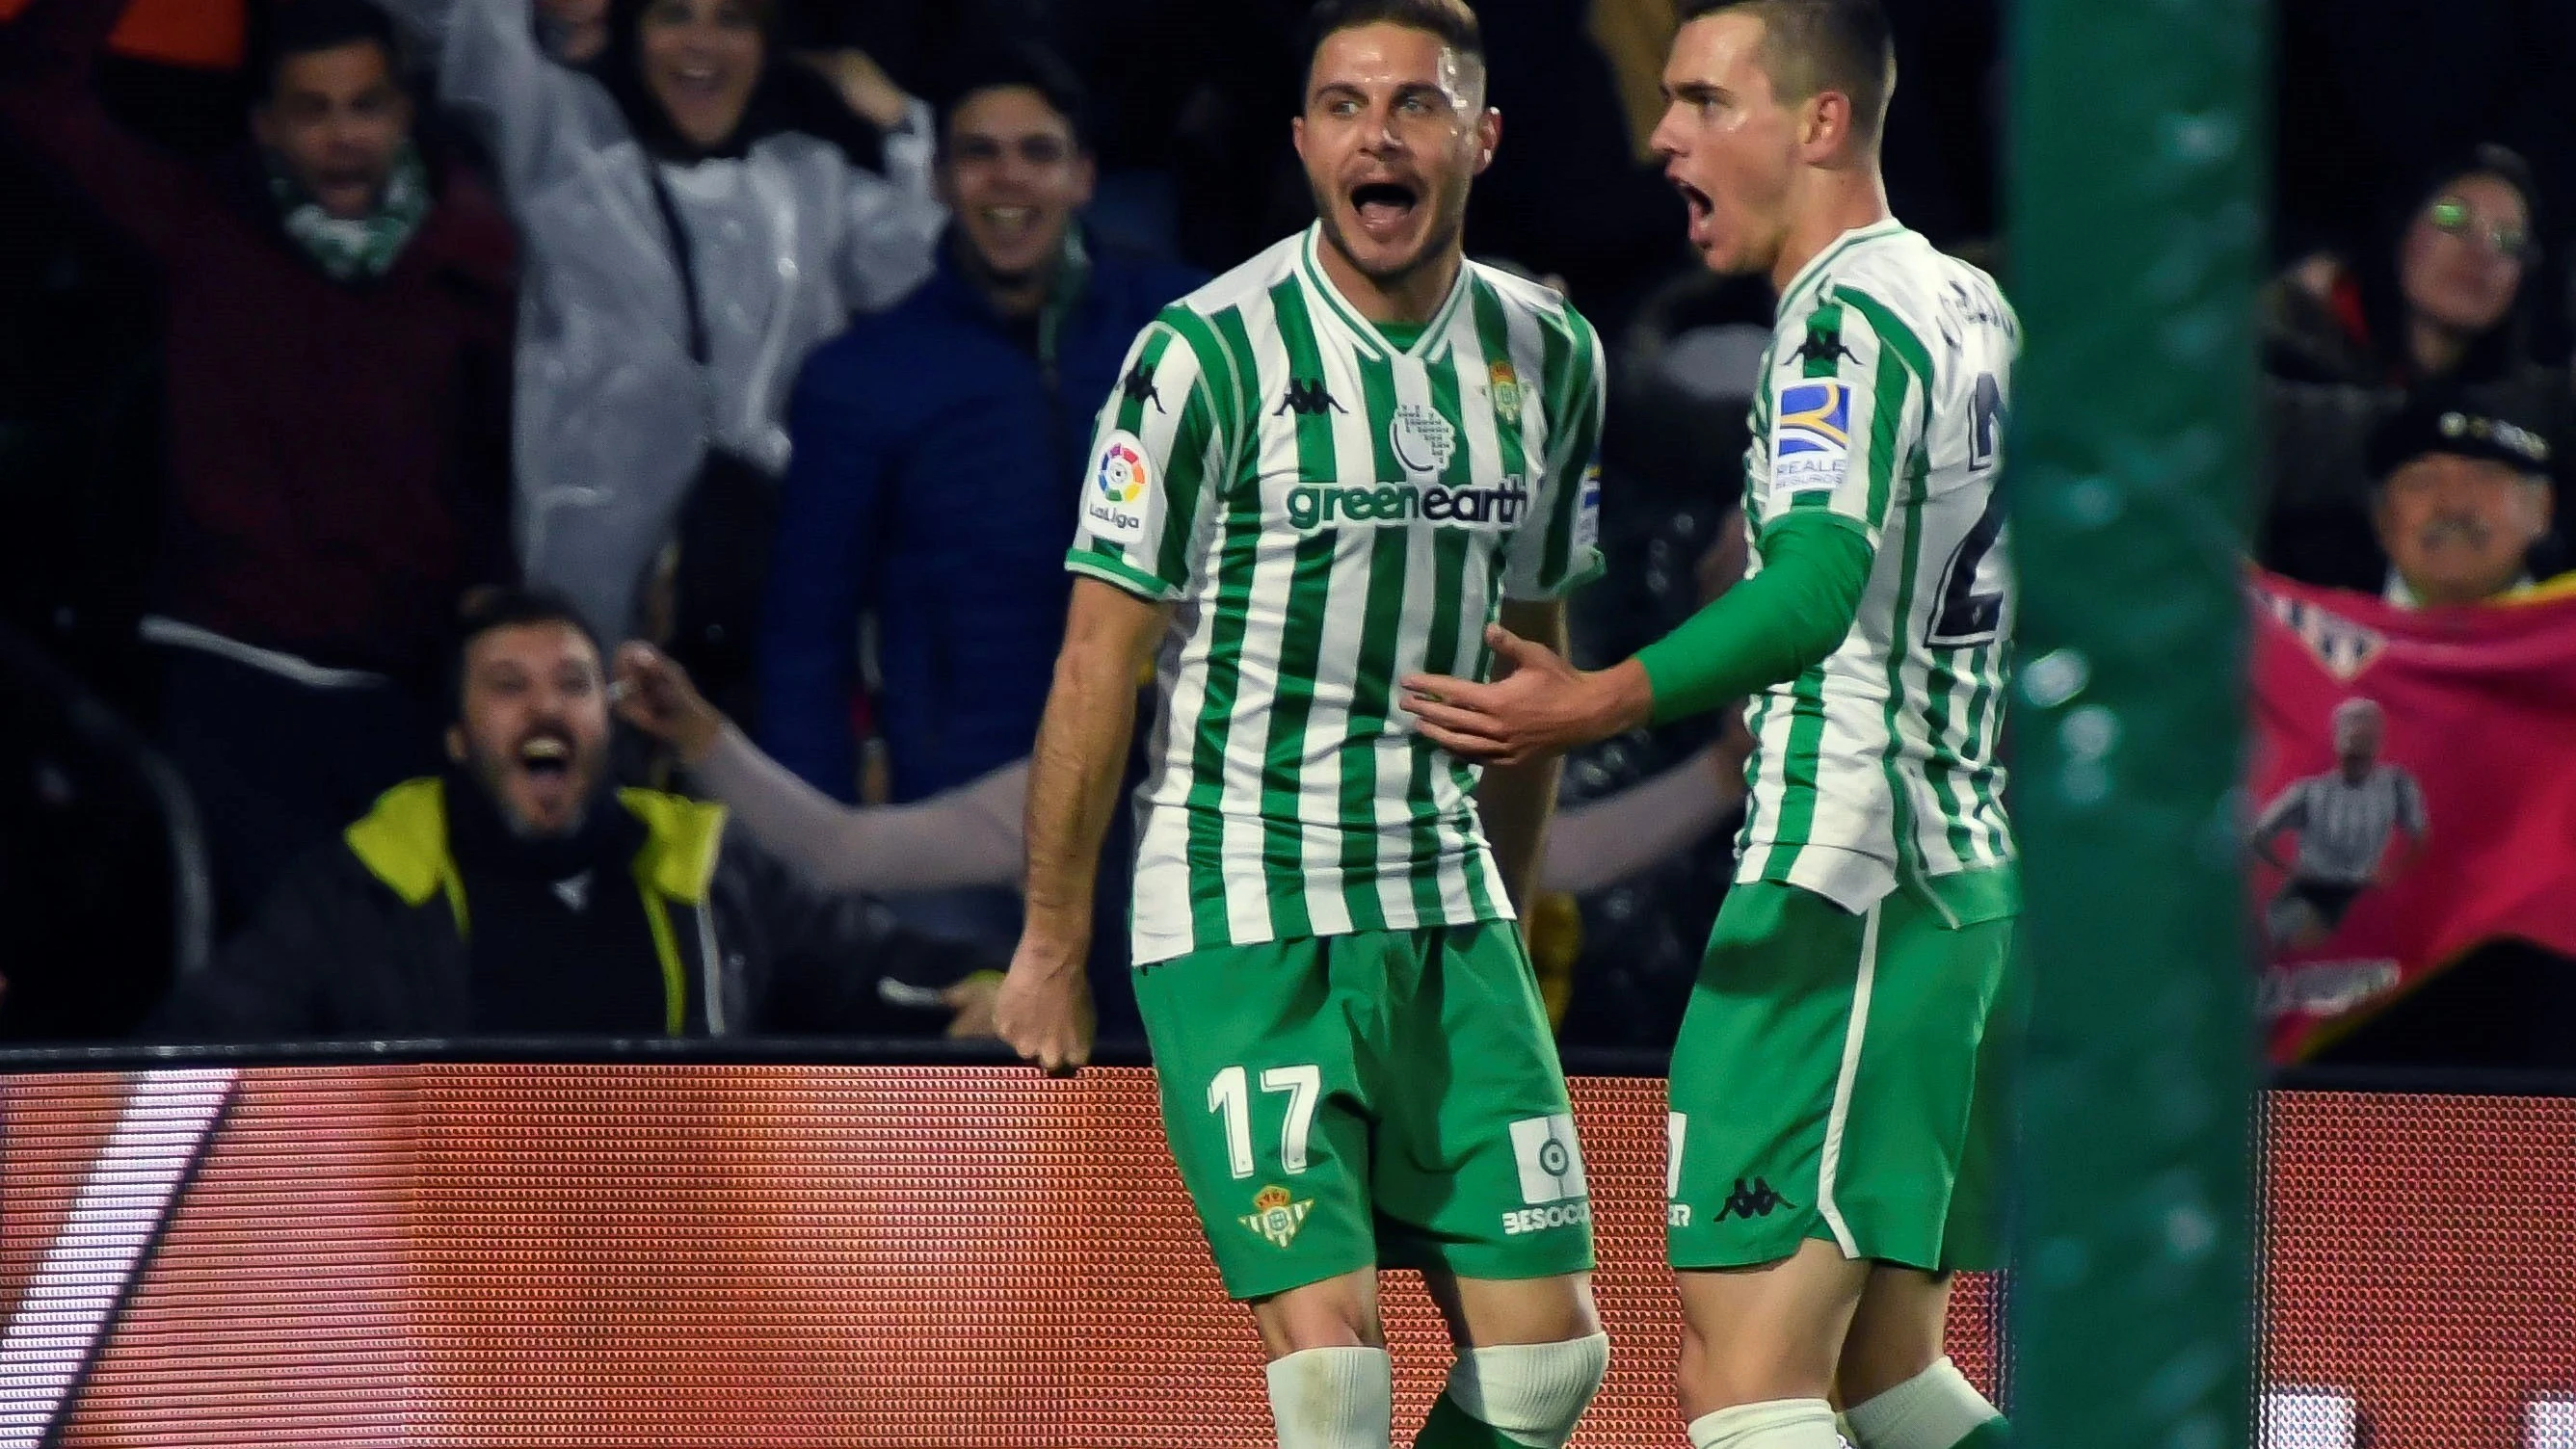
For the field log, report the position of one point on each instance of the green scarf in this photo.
(369, 245)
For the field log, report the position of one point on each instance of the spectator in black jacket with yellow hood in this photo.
(519, 894)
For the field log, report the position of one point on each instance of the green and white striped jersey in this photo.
(1882, 406)
(1329, 510)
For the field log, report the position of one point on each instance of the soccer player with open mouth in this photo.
(1838, 1089)
(1356, 452)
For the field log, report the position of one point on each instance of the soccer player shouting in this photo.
(1332, 467)
(1836, 1090)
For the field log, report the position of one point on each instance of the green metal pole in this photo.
(2136, 237)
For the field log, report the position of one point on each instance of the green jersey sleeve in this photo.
(1559, 549)
(1158, 463)
(1847, 414)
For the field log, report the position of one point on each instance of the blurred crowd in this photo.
(377, 375)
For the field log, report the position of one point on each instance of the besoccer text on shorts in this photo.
(1335, 466)
(1838, 1086)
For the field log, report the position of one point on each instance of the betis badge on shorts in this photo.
(1275, 1217)
(1505, 385)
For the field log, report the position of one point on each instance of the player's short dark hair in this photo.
(309, 27)
(1813, 46)
(1450, 20)
(1020, 65)
(487, 609)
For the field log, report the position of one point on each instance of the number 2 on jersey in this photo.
(1230, 1099)
(1964, 615)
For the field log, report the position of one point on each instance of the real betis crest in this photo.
(1274, 1217)
(1505, 385)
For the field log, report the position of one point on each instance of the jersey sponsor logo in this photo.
(1811, 436)
(1504, 386)
(1540, 1219)
(1328, 505)
(1276, 1215)
(1587, 510)
(1114, 508)
(1550, 1161)
(1423, 440)
(1307, 398)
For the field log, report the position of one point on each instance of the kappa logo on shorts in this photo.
(1754, 1201)
(1275, 1217)
(1550, 1162)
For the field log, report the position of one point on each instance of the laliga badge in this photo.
(1113, 505)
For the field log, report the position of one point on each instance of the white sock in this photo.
(1776, 1424)
(1530, 1393)
(1932, 1410)
(1333, 1398)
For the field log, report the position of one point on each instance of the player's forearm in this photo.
(1766, 630)
(1516, 800)
(1073, 786)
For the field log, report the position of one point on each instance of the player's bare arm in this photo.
(1516, 798)
(2284, 815)
(1044, 1009)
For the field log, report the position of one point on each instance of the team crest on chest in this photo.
(1504, 385)
(1423, 440)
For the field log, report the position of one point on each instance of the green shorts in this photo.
(1842, 1077)
(1383, 1098)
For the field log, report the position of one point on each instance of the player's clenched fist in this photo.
(1044, 1008)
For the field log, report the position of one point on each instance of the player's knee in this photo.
(1320, 1315)
(1530, 1393)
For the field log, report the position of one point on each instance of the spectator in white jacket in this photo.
(698, 211)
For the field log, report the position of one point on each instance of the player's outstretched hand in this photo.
(1044, 1008)
(1539, 705)
(654, 694)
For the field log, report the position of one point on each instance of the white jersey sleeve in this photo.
(1561, 552)
(1159, 460)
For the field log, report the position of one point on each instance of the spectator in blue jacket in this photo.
(938, 457)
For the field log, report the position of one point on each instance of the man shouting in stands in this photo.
(520, 895)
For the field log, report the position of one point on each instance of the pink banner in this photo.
(2412, 793)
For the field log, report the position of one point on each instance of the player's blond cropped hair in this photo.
(1813, 46)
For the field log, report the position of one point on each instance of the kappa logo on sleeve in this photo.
(1113, 506)
(1811, 437)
